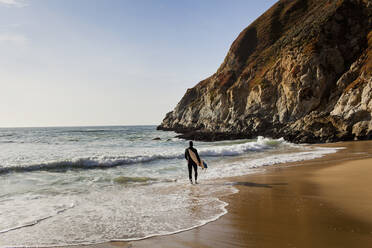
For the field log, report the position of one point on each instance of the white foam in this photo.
(243, 167)
(233, 150)
(27, 223)
(125, 214)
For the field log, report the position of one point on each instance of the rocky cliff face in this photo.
(300, 71)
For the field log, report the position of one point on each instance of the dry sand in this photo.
(319, 203)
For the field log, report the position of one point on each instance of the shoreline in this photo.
(271, 207)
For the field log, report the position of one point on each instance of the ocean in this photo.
(87, 185)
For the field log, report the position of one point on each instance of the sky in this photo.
(110, 62)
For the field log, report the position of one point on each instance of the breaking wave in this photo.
(102, 162)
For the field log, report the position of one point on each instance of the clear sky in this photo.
(110, 62)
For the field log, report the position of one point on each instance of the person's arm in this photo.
(186, 155)
(197, 155)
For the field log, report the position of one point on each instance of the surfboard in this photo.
(202, 164)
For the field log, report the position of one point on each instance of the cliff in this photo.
(301, 71)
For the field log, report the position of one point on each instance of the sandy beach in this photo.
(324, 202)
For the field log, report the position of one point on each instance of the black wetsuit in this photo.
(191, 162)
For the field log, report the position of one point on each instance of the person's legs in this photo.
(196, 172)
(190, 172)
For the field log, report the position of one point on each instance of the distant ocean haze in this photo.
(118, 183)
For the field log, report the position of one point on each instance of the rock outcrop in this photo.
(301, 71)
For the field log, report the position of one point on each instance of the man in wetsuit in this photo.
(191, 163)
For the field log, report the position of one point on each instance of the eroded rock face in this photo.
(301, 71)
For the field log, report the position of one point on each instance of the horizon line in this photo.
(107, 125)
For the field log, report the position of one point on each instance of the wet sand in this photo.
(325, 202)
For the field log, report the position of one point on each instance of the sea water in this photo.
(85, 185)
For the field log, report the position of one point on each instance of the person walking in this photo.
(193, 160)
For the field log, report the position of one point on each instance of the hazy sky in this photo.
(110, 62)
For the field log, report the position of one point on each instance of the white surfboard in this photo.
(194, 158)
